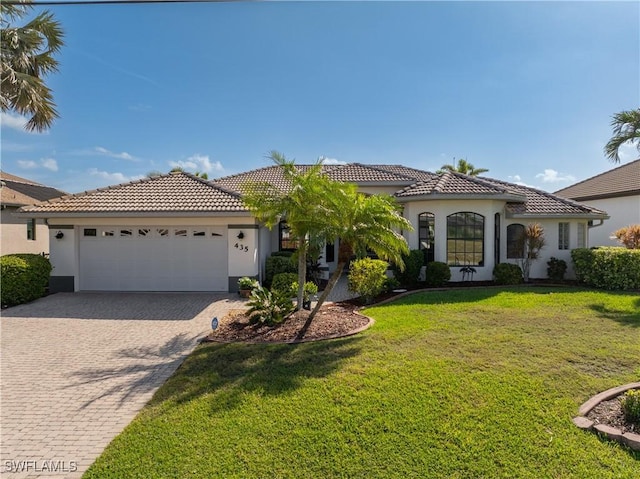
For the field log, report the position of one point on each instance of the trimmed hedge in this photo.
(607, 267)
(278, 264)
(507, 273)
(437, 274)
(413, 262)
(285, 283)
(367, 277)
(24, 278)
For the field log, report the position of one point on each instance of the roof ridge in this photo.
(626, 165)
(381, 169)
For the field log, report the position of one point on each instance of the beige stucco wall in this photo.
(623, 212)
(13, 234)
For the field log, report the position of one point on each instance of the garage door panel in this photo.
(154, 259)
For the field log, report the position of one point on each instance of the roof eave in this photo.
(586, 216)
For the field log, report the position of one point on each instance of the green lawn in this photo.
(477, 383)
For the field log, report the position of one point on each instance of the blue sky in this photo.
(525, 89)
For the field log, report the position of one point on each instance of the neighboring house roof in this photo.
(175, 192)
(17, 191)
(621, 181)
(184, 193)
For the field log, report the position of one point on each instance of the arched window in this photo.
(515, 244)
(426, 235)
(465, 239)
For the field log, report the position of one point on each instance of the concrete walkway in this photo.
(77, 367)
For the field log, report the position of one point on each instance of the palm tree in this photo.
(363, 223)
(303, 205)
(463, 167)
(626, 128)
(27, 56)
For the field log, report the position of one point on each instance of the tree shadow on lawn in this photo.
(622, 317)
(228, 371)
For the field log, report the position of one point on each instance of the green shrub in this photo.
(413, 262)
(268, 307)
(631, 406)
(556, 268)
(437, 274)
(24, 278)
(507, 273)
(283, 254)
(285, 283)
(607, 267)
(278, 264)
(390, 284)
(367, 278)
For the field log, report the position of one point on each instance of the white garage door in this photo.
(153, 258)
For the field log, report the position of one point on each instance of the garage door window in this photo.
(199, 233)
(180, 233)
(143, 232)
(90, 232)
(163, 232)
(108, 233)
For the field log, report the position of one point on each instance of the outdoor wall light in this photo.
(59, 235)
(240, 235)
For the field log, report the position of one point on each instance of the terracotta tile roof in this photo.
(621, 181)
(351, 173)
(19, 191)
(171, 193)
(542, 203)
(183, 192)
(449, 183)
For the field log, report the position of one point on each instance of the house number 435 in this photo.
(242, 247)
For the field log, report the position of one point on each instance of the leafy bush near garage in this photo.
(631, 406)
(278, 264)
(607, 267)
(437, 273)
(24, 278)
(412, 264)
(507, 273)
(368, 278)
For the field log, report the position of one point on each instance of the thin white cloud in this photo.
(27, 164)
(199, 163)
(49, 164)
(331, 161)
(121, 156)
(517, 180)
(552, 176)
(16, 122)
(116, 177)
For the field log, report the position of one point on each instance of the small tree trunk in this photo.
(302, 271)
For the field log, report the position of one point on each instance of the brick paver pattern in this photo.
(77, 367)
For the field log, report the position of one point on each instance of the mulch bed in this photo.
(333, 320)
(610, 413)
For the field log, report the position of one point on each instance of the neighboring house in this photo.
(617, 192)
(177, 232)
(17, 233)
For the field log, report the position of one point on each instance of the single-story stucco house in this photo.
(616, 191)
(19, 234)
(178, 232)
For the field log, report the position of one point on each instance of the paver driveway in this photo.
(77, 367)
